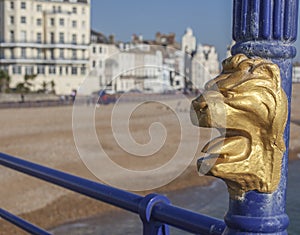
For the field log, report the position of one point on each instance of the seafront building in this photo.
(121, 67)
(138, 65)
(49, 38)
(188, 41)
(53, 40)
(101, 50)
(200, 63)
(205, 65)
(135, 67)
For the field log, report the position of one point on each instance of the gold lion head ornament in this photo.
(249, 108)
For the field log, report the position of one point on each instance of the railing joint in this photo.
(150, 225)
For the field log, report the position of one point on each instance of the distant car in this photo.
(105, 98)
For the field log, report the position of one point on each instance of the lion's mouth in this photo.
(232, 145)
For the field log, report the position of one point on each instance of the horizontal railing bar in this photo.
(172, 215)
(108, 194)
(188, 220)
(21, 223)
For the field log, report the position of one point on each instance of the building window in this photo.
(39, 22)
(39, 7)
(61, 53)
(74, 23)
(23, 20)
(23, 52)
(52, 39)
(52, 21)
(41, 69)
(4, 68)
(12, 5)
(60, 70)
(83, 39)
(59, 9)
(74, 38)
(67, 70)
(12, 19)
(12, 54)
(54, 9)
(100, 50)
(23, 36)
(83, 70)
(83, 24)
(12, 36)
(94, 63)
(61, 22)
(74, 54)
(94, 50)
(83, 10)
(61, 37)
(39, 53)
(52, 54)
(23, 5)
(29, 70)
(17, 69)
(74, 71)
(52, 69)
(39, 37)
(74, 10)
(100, 63)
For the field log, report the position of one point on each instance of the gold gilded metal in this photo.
(248, 106)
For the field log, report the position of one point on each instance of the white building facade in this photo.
(101, 49)
(200, 64)
(188, 41)
(205, 65)
(136, 68)
(49, 38)
(124, 67)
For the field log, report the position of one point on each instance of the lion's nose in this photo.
(193, 115)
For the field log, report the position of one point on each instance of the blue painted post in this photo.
(265, 28)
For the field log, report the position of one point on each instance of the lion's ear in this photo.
(213, 84)
(231, 64)
(268, 71)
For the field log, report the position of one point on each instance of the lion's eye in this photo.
(227, 94)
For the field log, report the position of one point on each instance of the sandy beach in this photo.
(44, 136)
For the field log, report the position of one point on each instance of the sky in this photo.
(211, 20)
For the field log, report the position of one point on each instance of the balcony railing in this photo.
(36, 44)
(51, 60)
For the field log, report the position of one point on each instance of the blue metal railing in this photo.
(26, 226)
(155, 210)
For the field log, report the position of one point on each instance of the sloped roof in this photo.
(98, 37)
